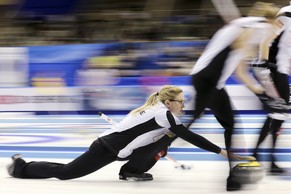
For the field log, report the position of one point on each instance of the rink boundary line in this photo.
(180, 150)
(58, 131)
(178, 156)
(82, 149)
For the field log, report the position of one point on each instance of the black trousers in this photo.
(272, 125)
(97, 156)
(207, 96)
(281, 82)
(144, 158)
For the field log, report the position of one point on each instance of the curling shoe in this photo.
(276, 170)
(135, 176)
(11, 167)
(232, 184)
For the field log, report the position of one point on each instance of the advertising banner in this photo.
(89, 77)
(39, 99)
(14, 67)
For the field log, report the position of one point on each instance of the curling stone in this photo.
(248, 173)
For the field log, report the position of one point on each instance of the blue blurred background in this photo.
(89, 55)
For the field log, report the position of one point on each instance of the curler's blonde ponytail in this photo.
(168, 92)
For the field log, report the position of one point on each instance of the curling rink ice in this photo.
(62, 138)
(205, 177)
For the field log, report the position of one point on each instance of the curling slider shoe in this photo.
(11, 167)
(135, 176)
(276, 170)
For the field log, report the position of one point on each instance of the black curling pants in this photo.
(144, 158)
(95, 158)
(207, 96)
(272, 125)
(281, 82)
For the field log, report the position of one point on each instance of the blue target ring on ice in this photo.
(28, 139)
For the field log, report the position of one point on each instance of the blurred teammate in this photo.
(141, 135)
(226, 52)
(279, 54)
